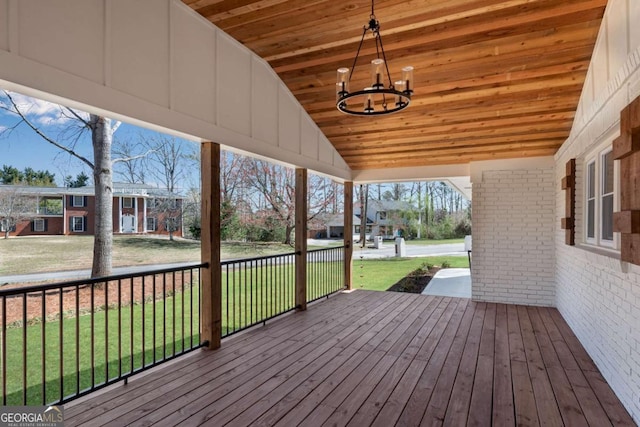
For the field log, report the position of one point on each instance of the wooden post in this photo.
(211, 280)
(301, 239)
(348, 233)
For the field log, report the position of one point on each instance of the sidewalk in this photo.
(450, 282)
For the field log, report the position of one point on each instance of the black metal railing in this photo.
(255, 290)
(61, 341)
(325, 272)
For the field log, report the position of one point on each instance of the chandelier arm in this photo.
(364, 33)
(384, 56)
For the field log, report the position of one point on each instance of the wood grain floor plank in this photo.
(503, 411)
(480, 407)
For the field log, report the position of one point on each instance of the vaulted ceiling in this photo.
(494, 79)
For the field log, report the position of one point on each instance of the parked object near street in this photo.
(401, 247)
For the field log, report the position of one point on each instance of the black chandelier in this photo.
(376, 99)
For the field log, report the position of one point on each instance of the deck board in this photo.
(375, 358)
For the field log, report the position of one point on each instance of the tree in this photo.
(166, 161)
(275, 186)
(81, 181)
(29, 176)
(132, 168)
(101, 130)
(14, 208)
(168, 211)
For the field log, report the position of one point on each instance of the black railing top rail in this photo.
(84, 282)
(258, 258)
(327, 249)
(262, 258)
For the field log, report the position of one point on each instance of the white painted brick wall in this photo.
(598, 295)
(513, 231)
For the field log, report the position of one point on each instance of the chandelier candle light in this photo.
(375, 99)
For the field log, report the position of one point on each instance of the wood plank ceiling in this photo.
(494, 79)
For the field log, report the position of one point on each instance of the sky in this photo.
(22, 147)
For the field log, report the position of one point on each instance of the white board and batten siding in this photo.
(158, 64)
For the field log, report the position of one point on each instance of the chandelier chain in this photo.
(353, 67)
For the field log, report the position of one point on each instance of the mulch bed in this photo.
(414, 282)
(123, 293)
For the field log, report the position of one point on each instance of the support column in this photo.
(301, 239)
(348, 234)
(211, 280)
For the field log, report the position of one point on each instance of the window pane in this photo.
(607, 173)
(591, 177)
(591, 210)
(607, 217)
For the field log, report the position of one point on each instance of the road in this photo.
(81, 274)
(388, 250)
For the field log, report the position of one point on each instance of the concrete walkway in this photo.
(450, 282)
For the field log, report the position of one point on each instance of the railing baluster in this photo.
(4, 351)
(173, 288)
(227, 298)
(164, 316)
(120, 327)
(131, 305)
(93, 309)
(43, 343)
(183, 313)
(106, 331)
(144, 326)
(153, 304)
(61, 334)
(24, 349)
(191, 310)
(77, 339)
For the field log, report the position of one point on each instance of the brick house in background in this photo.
(137, 209)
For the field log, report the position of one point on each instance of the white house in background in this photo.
(383, 217)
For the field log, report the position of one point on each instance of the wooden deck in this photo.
(376, 358)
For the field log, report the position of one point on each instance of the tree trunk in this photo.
(287, 237)
(6, 234)
(102, 176)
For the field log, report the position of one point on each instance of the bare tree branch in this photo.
(68, 150)
(136, 157)
(77, 116)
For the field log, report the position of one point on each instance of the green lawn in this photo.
(381, 274)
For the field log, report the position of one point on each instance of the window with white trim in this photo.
(600, 198)
(151, 224)
(77, 224)
(77, 201)
(38, 224)
(127, 202)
